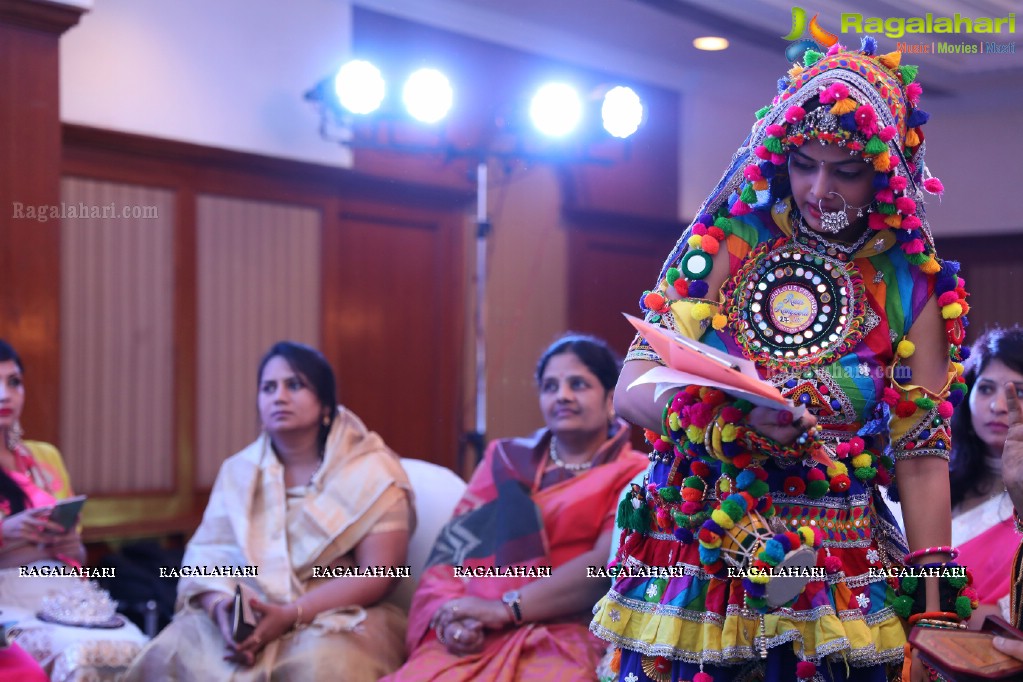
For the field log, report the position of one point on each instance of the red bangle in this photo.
(944, 549)
(940, 615)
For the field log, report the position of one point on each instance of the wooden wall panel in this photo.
(258, 283)
(117, 338)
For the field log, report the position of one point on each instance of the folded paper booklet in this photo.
(690, 362)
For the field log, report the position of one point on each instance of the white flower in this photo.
(615, 615)
(873, 556)
(652, 591)
(631, 677)
(863, 600)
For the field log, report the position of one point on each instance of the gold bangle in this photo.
(298, 616)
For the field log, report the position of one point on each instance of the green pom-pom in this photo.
(908, 73)
(816, 489)
(694, 482)
(957, 581)
(960, 386)
(669, 494)
(749, 195)
(743, 405)
(917, 258)
(729, 469)
(887, 462)
(732, 508)
(630, 518)
(909, 584)
(724, 223)
(811, 57)
(875, 145)
(758, 488)
(757, 603)
(773, 144)
(886, 208)
(681, 519)
(902, 606)
(672, 276)
(762, 111)
(963, 607)
(865, 474)
(924, 403)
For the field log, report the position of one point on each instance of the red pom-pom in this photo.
(707, 536)
(945, 409)
(654, 301)
(840, 483)
(897, 183)
(805, 669)
(759, 472)
(948, 298)
(856, 445)
(793, 486)
(742, 461)
(876, 221)
(905, 206)
(890, 396)
(883, 477)
(703, 677)
(934, 186)
(699, 468)
(682, 286)
(832, 564)
(710, 245)
(816, 474)
(795, 114)
(717, 233)
(905, 409)
(732, 415)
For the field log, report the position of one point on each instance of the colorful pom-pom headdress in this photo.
(864, 102)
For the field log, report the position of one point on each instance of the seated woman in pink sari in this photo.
(539, 506)
(982, 522)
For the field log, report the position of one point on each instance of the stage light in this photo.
(427, 95)
(556, 109)
(359, 86)
(622, 111)
(710, 43)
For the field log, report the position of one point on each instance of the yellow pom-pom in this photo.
(843, 106)
(694, 434)
(701, 311)
(894, 220)
(673, 422)
(806, 533)
(713, 544)
(891, 60)
(837, 469)
(882, 162)
(912, 139)
(729, 432)
(795, 71)
(951, 311)
(959, 368)
(694, 241)
(862, 460)
(905, 348)
(930, 267)
(722, 519)
(719, 322)
(758, 576)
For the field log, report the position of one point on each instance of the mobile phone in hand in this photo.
(65, 513)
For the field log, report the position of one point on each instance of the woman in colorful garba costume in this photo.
(544, 508)
(813, 259)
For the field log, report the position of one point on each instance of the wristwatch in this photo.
(513, 600)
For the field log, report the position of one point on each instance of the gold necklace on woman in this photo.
(562, 464)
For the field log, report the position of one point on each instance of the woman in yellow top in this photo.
(32, 479)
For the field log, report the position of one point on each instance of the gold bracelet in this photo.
(298, 616)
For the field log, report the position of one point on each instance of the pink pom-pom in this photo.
(934, 186)
(913, 92)
(703, 677)
(840, 90)
(752, 173)
(818, 536)
(905, 206)
(700, 229)
(876, 221)
(910, 223)
(842, 450)
(856, 445)
(948, 298)
(890, 396)
(866, 119)
(832, 564)
(763, 153)
(888, 133)
(835, 49)
(741, 208)
(945, 409)
(885, 196)
(897, 183)
(691, 507)
(913, 246)
(775, 130)
(805, 669)
(795, 114)
(827, 96)
(778, 159)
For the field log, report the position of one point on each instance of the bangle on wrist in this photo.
(298, 616)
(944, 549)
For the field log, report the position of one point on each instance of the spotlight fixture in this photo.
(621, 112)
(710, 43)
(427, 95)
(556, 109)
(359, 87)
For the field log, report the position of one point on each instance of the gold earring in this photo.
(326, 420)
(14, 435)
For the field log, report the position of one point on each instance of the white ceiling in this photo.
(655, 36)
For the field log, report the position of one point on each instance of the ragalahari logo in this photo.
(818, 37)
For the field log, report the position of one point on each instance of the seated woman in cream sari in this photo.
(316, 490)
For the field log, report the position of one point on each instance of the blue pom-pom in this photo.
(848, 121)
(740, 501)
(773, 551)
(955, 396)
(698, 288)
(868, 45)
(784, 541)
(708, 555)
(745, 479)
(966, 353)
(753, 589)
(917, 117)
(783, 83)
(713, 527)
(642, 302)
(965, 321)
(706, 218)
(767, 169)
(683, 535)
(951, 266)
(903, 236)
(732, 449)
(880, 180)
